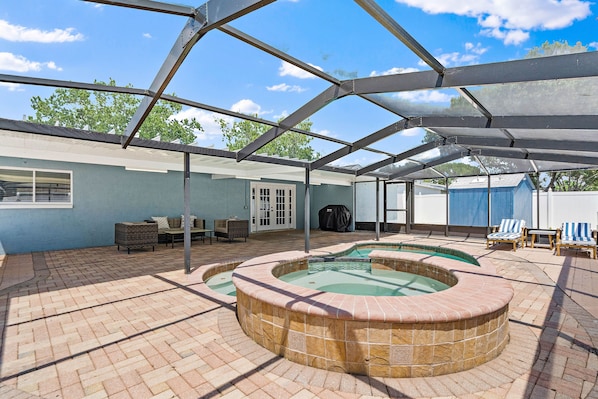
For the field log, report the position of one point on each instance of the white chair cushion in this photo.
(578, 240)
(574, 231)
(192, 217)
(162, 222)
(511, 226)
(504, 236)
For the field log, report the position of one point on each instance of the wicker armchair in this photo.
(135, 235)
(231, 228)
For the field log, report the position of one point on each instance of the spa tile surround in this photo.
(428, 335)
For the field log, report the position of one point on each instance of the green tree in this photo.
(519, 97)
(582, 180)
(430, 136)
(290, 144)
(450, 169)
(555, 48)
(577, 180)
(458, 169)
(111, 112)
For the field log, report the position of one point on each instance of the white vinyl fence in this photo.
(430, 208)
(570, 206)
(555, 207)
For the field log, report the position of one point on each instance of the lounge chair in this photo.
(576, 235)
(510, 230)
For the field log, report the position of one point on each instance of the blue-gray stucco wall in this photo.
(325, 195)
(105, 195)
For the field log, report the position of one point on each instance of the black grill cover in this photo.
(335, 218)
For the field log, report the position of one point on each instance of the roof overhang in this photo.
(22, 139)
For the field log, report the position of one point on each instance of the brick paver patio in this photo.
(96, 323)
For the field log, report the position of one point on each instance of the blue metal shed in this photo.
(510, 197)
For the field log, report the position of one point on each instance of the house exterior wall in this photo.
(325, 195)
(105, 195)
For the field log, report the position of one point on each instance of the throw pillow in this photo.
(162, 222)
(191, 217)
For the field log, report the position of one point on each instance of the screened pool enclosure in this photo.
(523, 116)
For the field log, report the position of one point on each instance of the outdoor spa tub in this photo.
(448, 331)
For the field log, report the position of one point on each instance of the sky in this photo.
(86, 42)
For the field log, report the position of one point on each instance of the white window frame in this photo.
(34, 204)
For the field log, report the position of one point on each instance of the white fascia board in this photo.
(23, 145)
(223, 177)
(68, 150)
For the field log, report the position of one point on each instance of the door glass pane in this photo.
(264, 207)
(290, 210)
(280, 206)
(252, 205)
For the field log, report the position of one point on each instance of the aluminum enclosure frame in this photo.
(216, 14)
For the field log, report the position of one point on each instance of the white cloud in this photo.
(456, 58)
(472, 55)
(147, 35)
(246, 107)
(16, 33)
(412, 132)
(516, 36)
(425, 96)
(282, 115)
(12, 86)
(358, 161)
(393, 71)
(52, 65)
(287, 69)
(475, 48)
(18, 63)
(510, 20)
(286, 88)
(211, 129)
(593, 45)
(325, 132)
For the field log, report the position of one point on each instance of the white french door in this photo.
(272, 206)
